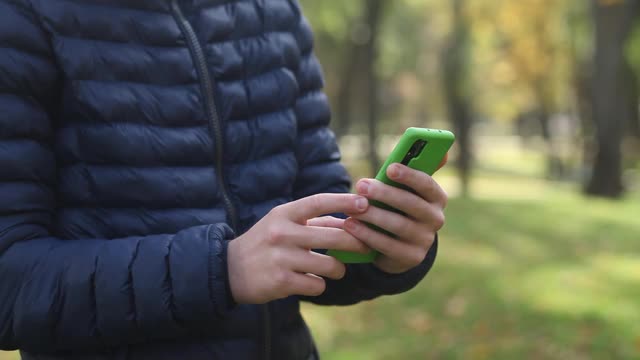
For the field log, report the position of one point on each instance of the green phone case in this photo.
(438, 143)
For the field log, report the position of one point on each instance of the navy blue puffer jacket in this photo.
(137, 138)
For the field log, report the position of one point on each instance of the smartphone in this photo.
(418, 148)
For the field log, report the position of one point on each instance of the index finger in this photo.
(424, 185)
(313, 206)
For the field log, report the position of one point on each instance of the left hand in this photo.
(415, 232)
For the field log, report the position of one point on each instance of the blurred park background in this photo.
(540, 257)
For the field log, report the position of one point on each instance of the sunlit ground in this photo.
(527, 269)
(9, 355)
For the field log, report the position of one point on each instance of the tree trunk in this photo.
(631, 84)
(584, 105)
(613, 23)
(348, 75)
(373, 17)
(555, 166)
(581, 75)
(457, 96)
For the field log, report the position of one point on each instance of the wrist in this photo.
(234, 285)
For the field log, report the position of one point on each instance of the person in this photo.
(166, 167)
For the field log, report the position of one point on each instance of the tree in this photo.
(339, 45)
(373, 18)
(532, 50)
(612, 94)
(456, 89)
(352, 72)
(342, 118)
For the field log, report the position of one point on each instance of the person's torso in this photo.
(174, 114)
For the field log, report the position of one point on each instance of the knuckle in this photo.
(315, 202)
(401, 225)
(429, 184)
(348, 203)
(439, 220)
(425, 239)
(414, 175)
(385, 245)
(318, 287)
(282, 279)
(349, 241)
(445, 198)
(275, 234)
(342, 271)
(417, 257)
(352, 227)
(338, 270)
(361, 247)
(276, 211)
(412, 178)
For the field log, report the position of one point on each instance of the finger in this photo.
(317, 264)
(326, 221)
(405, 201)
(317, 205)
(399, 225)
(444, 161)
(424, 185)
(314, 237)
(400, 251)
(301, 284)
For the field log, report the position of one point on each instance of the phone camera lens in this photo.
(414, 151)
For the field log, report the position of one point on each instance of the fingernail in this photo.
(363, 187)
(361, 203)
(350, 224)
(394, 171)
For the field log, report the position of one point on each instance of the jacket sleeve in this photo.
(321, 172)
(58, 294)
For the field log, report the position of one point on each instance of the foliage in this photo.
(517, 46)
(529, 63)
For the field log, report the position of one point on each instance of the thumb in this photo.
(320, 204)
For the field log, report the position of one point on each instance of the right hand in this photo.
(273, 260)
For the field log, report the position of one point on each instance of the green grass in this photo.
(527, 269)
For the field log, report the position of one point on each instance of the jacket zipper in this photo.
(215, 131)
(206, 85)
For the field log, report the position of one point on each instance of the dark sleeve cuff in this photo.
(219, 237)
(388, 284)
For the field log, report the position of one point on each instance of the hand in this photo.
(274, 260)
(415, 231)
